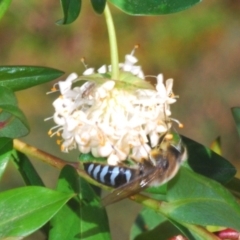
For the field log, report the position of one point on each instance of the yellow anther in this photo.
(180, 125)
(54, 89)
(169, 136)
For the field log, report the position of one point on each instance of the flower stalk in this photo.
(112, 43)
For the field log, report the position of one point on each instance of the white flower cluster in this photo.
(111, 122)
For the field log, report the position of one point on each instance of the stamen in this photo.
(46, 119)
(51, 129)
(53, 89)
(62, 147)
(135, 47)
(83, 62)
(51, 134)
(180, 125)
(152, 76)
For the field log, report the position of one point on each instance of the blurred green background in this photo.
(199, 48)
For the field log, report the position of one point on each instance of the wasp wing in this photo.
(133, 187)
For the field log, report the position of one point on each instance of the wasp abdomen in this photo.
(113, 176)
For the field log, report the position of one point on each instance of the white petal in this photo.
(141, 152)
(71, 124)
(94, 151)
(161, 129)
(84, 149)
(169, 85)
(88, 71)
(171, 100)
(141, 75)
(160, 86)
(64, 86)
(135, 70)
(121, 155)
(154, 138)
(71, 77)
(113, 159)
(102, 69)
(105, 150)
(130, 60)
(58, 119)
(109, 85)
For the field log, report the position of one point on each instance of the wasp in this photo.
(162, 165)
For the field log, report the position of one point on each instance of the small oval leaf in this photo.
(22, 77)
(94, 221)
(26, 209)
(98, 5)
(26, 169)
(216, 146)
(206, 162)
(68, 182)
(195, 199)
(127, 81)
(83, 216)
(71, 10)
(236, 116)
(153, 7)
(13, 123)
(6, 145)
(4, 5)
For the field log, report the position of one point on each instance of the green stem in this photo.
(43, 156)
(52, 160)
(112, 42)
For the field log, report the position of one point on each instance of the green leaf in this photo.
(6, 145)
(153, 7)
(88, 157)
(98, 5)
(127, 81)
(68, 182)
(236, 116)
(26, 209)
(151, 225)
(94, 221)
(22, 77)
(26, 169)
(83, 217)
(206, 162)
(71, 10)
(13, 123)
(195, 199)
(234, 187)
(147, 224)
(4, 5)
(162, 189)
(216, 146)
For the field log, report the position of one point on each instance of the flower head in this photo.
(109, 118)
